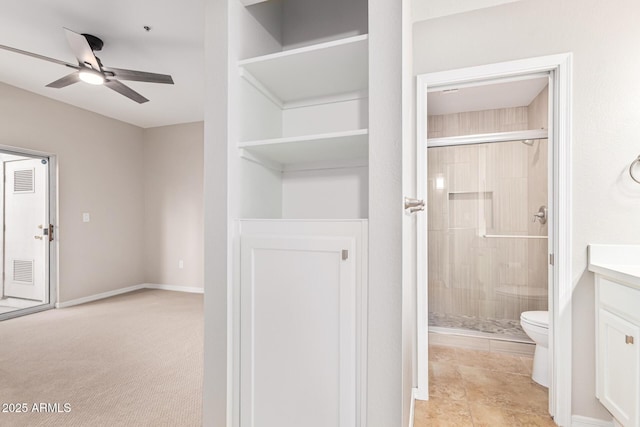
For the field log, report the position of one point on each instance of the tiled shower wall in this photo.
(487, 189)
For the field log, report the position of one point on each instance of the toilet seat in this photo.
(536, 318)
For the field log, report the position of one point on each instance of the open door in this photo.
(26, 230)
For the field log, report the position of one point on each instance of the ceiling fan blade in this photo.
(81, 49)
(125, 90)
(35, 55)
(65, 81)
(139, 76)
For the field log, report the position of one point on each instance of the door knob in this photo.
(413, 205)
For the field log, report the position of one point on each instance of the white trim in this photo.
(115, 292)
(561, 319)
(305, 49)
(175, 288)
(422, 249)
(96, 297)
(515, 78)
(494, 71)
(580, 421)
(559, 66)
(412, 409)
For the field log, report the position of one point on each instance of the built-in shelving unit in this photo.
(298, 138)
(306, 149)
(301, 108)
(326, 69)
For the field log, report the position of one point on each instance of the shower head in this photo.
(528, 142)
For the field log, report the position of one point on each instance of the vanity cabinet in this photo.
(618, 349)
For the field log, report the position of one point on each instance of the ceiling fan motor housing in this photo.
(94, 42)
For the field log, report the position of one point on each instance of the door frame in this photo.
(53, 219)
(560, 327)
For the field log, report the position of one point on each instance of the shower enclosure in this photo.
(487, 236)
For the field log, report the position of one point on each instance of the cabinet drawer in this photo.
(619, 299)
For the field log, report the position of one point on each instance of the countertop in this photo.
(620, 263)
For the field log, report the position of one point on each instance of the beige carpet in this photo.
(131, 360)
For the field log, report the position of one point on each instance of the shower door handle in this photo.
(413, 205)
(541, 215)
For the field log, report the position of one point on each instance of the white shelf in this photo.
(321, 70)
(339, 147)
(251, 2)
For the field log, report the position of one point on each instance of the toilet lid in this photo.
(537, 318)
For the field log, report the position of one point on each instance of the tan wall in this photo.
(475, 122)
(173, 204)
(100, 172)
(606, 101)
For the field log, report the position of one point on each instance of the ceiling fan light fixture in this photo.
(92, 77)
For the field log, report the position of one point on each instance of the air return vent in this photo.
(22, 271)
(23, 181)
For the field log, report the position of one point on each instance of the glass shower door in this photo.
(487, 251)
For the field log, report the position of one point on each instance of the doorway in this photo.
(472, 213)
(26, 234)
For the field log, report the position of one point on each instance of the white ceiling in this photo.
(175, 46)
(518, 93)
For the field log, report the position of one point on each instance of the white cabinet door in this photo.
(619, 367)
(297, 331)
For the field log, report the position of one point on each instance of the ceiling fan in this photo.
(91, 70)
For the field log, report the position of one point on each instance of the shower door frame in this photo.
(559, 136)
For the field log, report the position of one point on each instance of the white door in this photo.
(26, 235)
(297, 332)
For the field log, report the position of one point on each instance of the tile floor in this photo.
(471, 388)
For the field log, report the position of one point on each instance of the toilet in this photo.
(536, 325)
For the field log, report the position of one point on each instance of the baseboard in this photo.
(96, 297)
(90, 298)
(412, 410)
(420, 394)
(189, 289)
(580, 421)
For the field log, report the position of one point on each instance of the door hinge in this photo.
(345, 254)
(551, 259)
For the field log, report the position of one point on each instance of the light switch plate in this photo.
(86, 217)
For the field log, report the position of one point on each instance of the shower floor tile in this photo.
(504, 327)
(478, 388)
